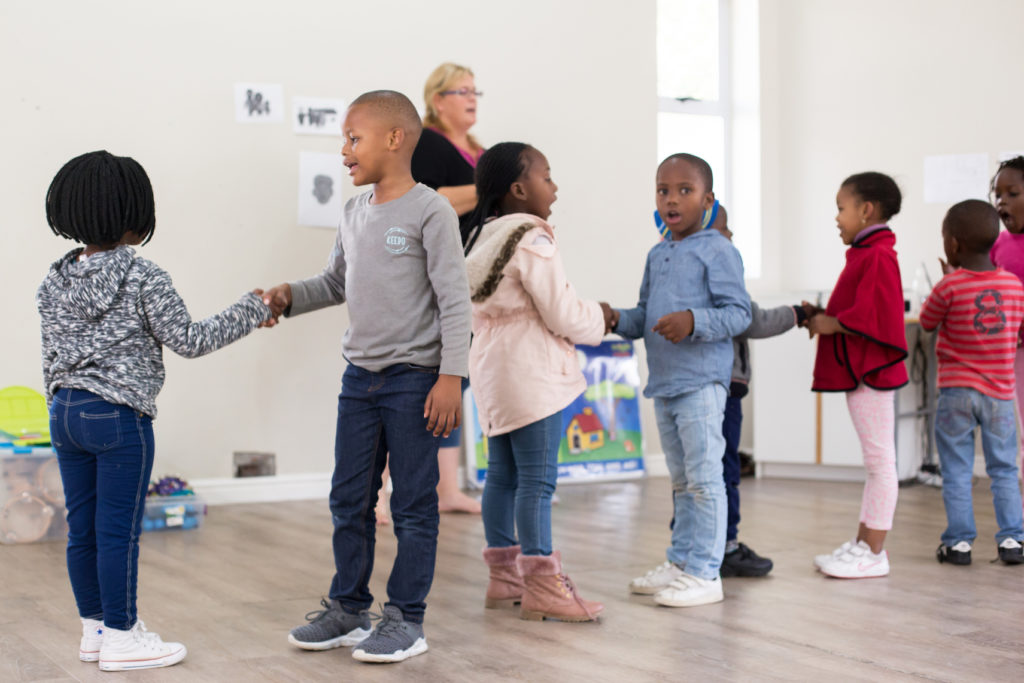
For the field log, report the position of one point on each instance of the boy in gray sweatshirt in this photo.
(398, 263)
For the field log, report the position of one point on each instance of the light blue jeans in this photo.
(690, 426)
(959, 410)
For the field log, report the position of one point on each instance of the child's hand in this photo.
(823, 324)
(278, 299)
(945, 267)
(675, 326)
(611, 317)
(443, 408)
(810, 310)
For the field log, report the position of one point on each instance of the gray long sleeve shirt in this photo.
(400, 268)
(106, 318)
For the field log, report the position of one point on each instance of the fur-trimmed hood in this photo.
(494, 248)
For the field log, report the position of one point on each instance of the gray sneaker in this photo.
(393, 640)
(331, 627)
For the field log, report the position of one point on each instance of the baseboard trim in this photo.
(790, 470)
(655, 465)
(272, 489)
(313, 486)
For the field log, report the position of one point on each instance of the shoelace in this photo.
(318, 614)
(569, 589)
(388, 623)
(141, 634)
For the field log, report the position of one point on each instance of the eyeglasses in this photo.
(462, 92)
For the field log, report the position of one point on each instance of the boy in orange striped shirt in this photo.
(978, 309)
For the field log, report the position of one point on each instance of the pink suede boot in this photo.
(506, 586)
(550, 594)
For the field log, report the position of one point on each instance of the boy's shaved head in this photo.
(703, 168)
(974, 224)
(394, 110)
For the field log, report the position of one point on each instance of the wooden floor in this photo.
(232, 590)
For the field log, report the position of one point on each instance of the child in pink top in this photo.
(978, 309)
(1008, 252)
(524, 371)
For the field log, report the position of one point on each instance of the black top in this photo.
(436, 162)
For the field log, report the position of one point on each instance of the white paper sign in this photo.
(317, 115)
(320, 189)
(950, 178)
(259, 103)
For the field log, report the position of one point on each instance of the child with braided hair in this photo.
(524, 371)
(106, 316)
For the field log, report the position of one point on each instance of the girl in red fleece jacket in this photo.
(861, 347)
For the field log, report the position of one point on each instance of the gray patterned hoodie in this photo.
(106, 318)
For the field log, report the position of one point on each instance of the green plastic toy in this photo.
(24, 418)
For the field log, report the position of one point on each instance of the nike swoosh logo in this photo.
(861, 567)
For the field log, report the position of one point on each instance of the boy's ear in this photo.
(709, 200)
(395, 138)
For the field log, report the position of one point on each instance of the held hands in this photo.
(810, 310)
(823, 324)
(675, 326)
(443, 408)
(278, 299)
(611, 317)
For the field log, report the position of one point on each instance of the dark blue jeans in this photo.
(732, 425)
(381, 413)
(522, 470)
(105, 453)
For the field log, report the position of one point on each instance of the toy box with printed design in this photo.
(31, 495)
(171, 504)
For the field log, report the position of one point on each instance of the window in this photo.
(696, 103)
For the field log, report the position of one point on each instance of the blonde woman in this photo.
(446, 155)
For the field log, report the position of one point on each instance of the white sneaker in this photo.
(92, 640)
(690, 591)
(820, 560)
(858, 562)
(137, 648)
(655, 580)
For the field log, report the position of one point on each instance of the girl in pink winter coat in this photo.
(524, 371)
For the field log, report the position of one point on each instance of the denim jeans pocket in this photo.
(953, 413)
(1002, 420)
(100, 431)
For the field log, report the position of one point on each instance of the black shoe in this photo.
(744, 562)
(958, 554)
(1011, 552)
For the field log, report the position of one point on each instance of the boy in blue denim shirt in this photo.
(692, 303)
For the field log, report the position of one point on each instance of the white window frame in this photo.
(720, 107)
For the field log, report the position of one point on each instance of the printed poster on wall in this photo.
(317, 115)
(601, 437)
(320, 189)
(259, 103)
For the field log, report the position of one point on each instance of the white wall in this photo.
(875, 85)
(154, 81)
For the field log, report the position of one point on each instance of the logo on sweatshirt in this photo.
(990, 318)
(396, 241)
